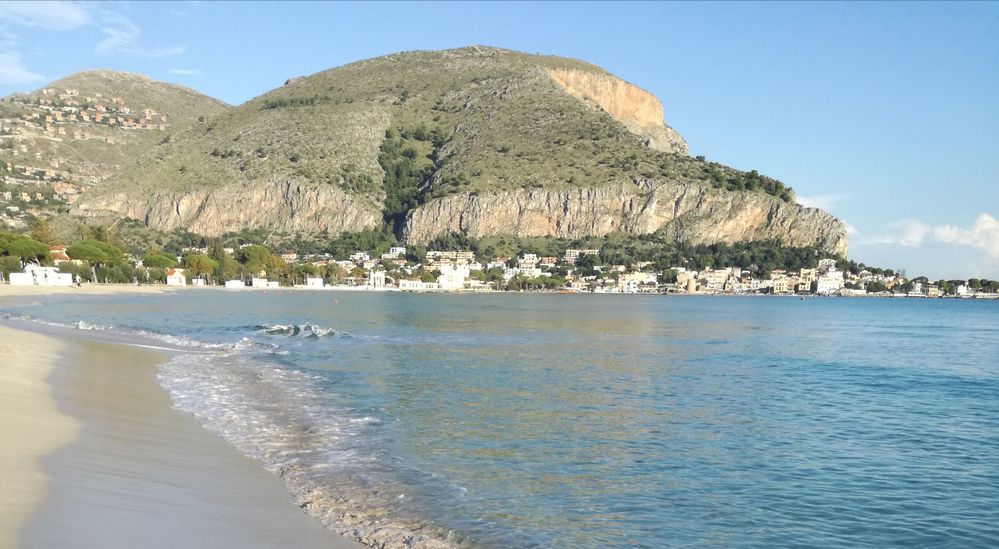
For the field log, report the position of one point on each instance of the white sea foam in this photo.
(282, 417)
(300, 330)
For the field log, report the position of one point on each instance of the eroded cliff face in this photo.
(640, 111)
(688, 212)
(287, 206)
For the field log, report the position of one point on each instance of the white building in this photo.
(829, 283)
(571, 255)
(453, 277)
(418, 286)
(376, 278)
(635, 282)
(314, 282)
(394, 252)
(714, 281)
(360, 256)
(176, 277)
(235, 284)
(530, 272)
(827, 265)
(35, 275)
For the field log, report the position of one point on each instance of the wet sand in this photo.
(127, 470)
(31, 426)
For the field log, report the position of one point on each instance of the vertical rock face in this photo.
(640, 111)
(287, 206)
(500, 142)
(690, 213)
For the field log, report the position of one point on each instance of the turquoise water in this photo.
(597, 421)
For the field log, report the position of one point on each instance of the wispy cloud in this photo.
(9, 41)
(905, 232)
(983, 234)
(185, 72)
(47, 15)
(822, 201)
(121, 36)
(12, 71)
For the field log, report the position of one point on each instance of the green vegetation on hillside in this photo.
(408, 159)
(407, 128)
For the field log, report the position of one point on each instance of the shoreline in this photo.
(95, 447)
(7, 290)
(32, 426)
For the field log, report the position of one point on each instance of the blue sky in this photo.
(886, 114)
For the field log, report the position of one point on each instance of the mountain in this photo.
(80, 130)
(477, 140)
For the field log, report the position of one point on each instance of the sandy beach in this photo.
(6, 290)
(31, 426)
(92, 444)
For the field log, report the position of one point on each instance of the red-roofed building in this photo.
(58, 253)
(175, 277)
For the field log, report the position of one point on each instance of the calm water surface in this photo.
(599, 421)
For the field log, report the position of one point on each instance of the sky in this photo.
(884, 114)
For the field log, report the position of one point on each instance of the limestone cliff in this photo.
(287, 206)
(476, 140)
(688, 212)
(639, 111)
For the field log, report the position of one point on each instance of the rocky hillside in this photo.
(74, 133)
(476, 140)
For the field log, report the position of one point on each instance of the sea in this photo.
(538, 420)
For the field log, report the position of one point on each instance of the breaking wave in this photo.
(300, 330)
(331, 458)
(327, 455)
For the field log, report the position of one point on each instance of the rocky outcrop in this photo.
(287, 206)
(690, 213)
(639, 111)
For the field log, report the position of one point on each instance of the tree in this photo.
(159, 261)
(226, 266)
(9, 264)
(334, 273)
(200, 265)
(254, 258)
(875, 286)
(276, 267)
(42, 232)
(586, 265)
(98, 254)
(103, 233)
(216, 250)
(25, 249)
